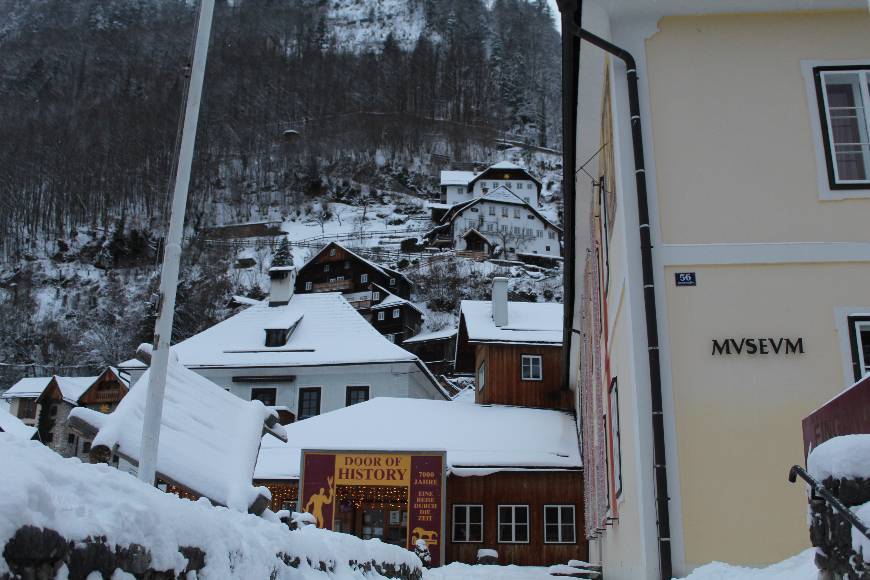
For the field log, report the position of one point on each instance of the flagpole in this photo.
(172, 253)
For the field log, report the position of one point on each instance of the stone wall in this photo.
(38, 554)
(832, 534)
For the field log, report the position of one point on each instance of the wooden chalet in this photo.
(393, 316)
(63, 394)
(496, 477)
(338, 269)
(513, 350)
(437, 349)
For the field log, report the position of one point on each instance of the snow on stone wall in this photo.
(48, 497)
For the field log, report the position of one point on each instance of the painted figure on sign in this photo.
(318, 500)
(431, 538)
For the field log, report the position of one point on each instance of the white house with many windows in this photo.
(744, 238)
(500, 223)
(462, 186)
(305, 353)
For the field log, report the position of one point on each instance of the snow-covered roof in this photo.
(377, 267)
(500, 194)
(27, 388)
(505, 165)
(474, 436)
(436, 335)
(208, 438)
(394, 301)
(244, 300)
(528, 322)
(330, 332)
(133, 363)
(456, 177)
(12, 426)
(71, 388)
(846, 456)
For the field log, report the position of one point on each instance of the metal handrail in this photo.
(829, 497)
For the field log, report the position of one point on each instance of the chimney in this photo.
(500, 301)
(282, 280)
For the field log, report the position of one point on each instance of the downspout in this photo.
(649, 300)
(571, 12)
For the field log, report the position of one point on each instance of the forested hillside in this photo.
(90, 93)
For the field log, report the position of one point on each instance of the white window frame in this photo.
(363, 278)
(376, 295)
(860, 366)
(392, 281)
(823, 179)
(481, 376)
(332, 251)
(308, 285)
(381, 315)
(531, 358)
(513, 524)
(559, 523)
(397, 312)
(863, 74)
(468, 523)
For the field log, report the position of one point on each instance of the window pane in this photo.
(475, 533)
(476, 514)
(459, 533)
(521, 515)
(505, 515)
(521, 533)
(459, 515)
(864, 346)
(847, 116)
(551, 533)
(551, 514)
(567, 532)
(504, 533)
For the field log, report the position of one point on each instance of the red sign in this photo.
(421, 474)
(846, 414)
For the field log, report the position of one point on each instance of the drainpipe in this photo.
(571, 12)
(649, 300)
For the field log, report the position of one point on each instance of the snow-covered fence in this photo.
(842, 466)
(62, 518)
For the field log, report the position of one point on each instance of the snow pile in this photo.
(478, 439)
(80, 500)
(208, 440)
(460, 571)
(13, 427)
(800, 567)
(528, 322)
(847, 456)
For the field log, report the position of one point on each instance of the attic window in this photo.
(392, 281)
(276, 336)
(363, 278)
(332, 252)
(376, 295)
(326, 267)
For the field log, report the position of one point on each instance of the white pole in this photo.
(172, 254)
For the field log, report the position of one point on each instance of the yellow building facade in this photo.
(759, 215)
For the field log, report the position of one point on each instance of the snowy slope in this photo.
(363, 25)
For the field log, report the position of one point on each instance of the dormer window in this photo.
(276, 336)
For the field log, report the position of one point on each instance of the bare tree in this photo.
(321, 214)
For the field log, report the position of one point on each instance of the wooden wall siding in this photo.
(504, 385)
(313, 272)
(108, 390)
(534, 489)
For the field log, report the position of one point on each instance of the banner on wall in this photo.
(421, 473)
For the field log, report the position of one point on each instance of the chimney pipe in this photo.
(500, 301)
(282, 280)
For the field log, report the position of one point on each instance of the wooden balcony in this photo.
(337, 286)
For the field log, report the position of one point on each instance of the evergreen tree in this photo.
(282, 256)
